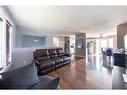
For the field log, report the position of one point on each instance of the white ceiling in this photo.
(70, 19)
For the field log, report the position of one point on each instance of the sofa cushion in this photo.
(52, 53)
(47, 82)
(21, 78)
(46, 64)
(42, 58)
(41, 53)
(58, 60)
(60, 52)
(65, 58)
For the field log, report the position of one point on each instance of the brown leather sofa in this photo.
(48, 60)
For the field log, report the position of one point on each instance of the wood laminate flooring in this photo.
(84, 74)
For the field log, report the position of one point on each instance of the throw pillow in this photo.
(53, 84)
(21, 78)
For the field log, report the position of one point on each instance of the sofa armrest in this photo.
(36, 62)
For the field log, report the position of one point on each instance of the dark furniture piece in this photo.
(48, 60)
(26, 78)
(117, 78)
(109, 52)
(120, 59)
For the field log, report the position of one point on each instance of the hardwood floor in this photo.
(82, 74)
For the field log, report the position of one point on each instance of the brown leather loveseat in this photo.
(48, 60)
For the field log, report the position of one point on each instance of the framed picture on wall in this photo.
(79, 43)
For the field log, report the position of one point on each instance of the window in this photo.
(8, 42)
(57, 41)
(103, 43)
(5, 43)
(111, 43)
(2, 45)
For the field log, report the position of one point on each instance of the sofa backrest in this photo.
(52, 53)
(60, 51)
(41, 54)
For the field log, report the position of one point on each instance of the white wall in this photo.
(23, 56)
(49, 41)
(25, 31)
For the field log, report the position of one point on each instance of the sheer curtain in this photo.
(2, 45)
